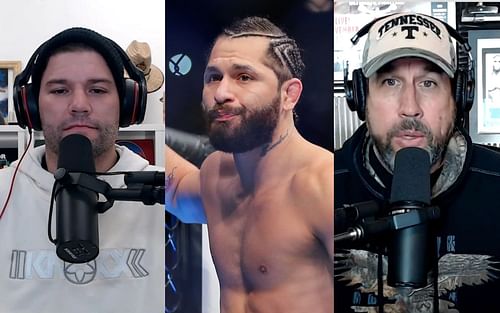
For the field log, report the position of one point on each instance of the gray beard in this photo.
(387, 155)
(453, 162)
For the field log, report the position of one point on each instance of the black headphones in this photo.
(132, 99)
(464, 80)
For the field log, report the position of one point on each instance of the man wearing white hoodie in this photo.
(78, 87)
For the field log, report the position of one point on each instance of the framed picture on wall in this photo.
(485, 113)
(8, 72)
(488, 96)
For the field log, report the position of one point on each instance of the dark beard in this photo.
(106, 140)
(436, 146)
(256, 127)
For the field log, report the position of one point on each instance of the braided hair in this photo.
(284, 55)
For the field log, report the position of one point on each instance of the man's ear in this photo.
(291, 91)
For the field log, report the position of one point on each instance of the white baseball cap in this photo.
(408, 35)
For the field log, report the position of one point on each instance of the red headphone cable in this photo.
(14, 176)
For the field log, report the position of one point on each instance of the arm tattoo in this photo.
(169, 179)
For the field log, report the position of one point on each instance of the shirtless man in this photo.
(267, 194)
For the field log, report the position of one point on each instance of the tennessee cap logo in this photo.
(408, 35)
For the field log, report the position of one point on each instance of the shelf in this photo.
(13, 136)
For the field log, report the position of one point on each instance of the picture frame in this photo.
(8, 72)
(485, 113)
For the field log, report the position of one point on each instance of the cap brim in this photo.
(376, 63)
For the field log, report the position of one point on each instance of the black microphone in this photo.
(76, 207)
(408, 257)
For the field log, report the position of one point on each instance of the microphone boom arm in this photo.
(389, 223)
(146, 187)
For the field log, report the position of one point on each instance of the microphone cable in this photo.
(14, 176)
(53, 195)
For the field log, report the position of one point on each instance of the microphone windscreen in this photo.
(411, 178)
(75, 154)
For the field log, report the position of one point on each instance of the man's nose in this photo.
(409, 106)
(79, 101)
(224, 91)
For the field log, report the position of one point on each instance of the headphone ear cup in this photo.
(459, 92)
(469, 90)
(133, 108)
(26, 107)
(355, 91)
(359, 92)
(349, 97)
(464, 92)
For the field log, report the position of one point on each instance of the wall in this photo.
(28, 23)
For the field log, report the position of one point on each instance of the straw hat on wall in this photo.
(140, 54)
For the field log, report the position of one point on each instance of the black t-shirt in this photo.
(463, 250)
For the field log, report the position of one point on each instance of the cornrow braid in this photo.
(289, 55)
(285, 57)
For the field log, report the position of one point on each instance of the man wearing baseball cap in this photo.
(430, 244)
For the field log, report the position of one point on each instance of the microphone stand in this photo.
(372, 226)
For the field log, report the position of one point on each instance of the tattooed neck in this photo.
(268, 147)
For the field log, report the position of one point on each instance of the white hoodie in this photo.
(126, 277)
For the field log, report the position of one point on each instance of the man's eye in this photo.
(389, 82)
(245, 77)
(428, 83)
(58, 91)
(213, 78)
(97, 90)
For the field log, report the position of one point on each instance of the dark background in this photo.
(191, 29)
